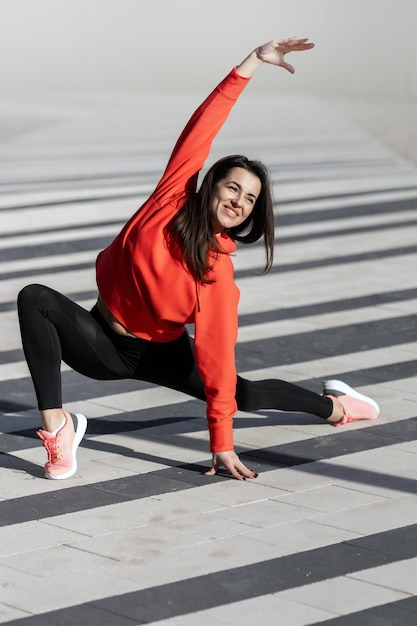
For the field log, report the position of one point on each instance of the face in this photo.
(233, 198)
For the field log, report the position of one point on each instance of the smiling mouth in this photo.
(231, 212)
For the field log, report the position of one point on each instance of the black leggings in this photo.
(55, 329)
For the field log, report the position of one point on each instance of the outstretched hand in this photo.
(232, 463)
(274, 51)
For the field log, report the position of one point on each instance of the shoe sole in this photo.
(337, 387)
(79, 434)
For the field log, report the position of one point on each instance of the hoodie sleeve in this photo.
(194, 143)
(215, 340)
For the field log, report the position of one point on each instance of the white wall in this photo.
(364, 48)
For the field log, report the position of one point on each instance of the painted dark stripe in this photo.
(70, 246)
(310, 264)
(373, 255)
(48, 269)
(320, 343)
(285, 218)
(256, 580)
(399, 613)
(325, 343)
(80, 179)
(288, 572)
(45, 204)
(185, 476)
(121, 195)
(137, 420)
(331, 306)
(273, 315)
(61, 229)
(141, 419)
(87, 180)
(354, 209)
(356, 230)
(18, 395)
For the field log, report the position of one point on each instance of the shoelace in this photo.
(53, 449)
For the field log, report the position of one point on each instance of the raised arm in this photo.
(274, 53)
(195, 141)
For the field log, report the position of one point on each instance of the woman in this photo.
(170, 266)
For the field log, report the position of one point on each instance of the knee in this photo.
(28, 296)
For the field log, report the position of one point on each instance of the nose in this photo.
(237, 202)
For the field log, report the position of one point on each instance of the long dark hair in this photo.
(191, 231)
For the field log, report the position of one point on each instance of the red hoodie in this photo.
(152, 293)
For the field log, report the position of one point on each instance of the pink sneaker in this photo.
(355, 405)
(62, 447)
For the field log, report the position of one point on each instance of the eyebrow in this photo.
(240, 187)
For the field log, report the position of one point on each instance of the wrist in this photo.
(249, 66)
(258, 54)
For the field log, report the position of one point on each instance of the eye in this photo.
(232, 187)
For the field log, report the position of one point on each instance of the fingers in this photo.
(295, 44)
(238, 474)
(211, 472)
(243, 472)
(232, 463)
(290, 68)
(290, 41)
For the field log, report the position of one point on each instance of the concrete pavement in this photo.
(326, 534)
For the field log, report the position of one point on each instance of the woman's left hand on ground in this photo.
(232, 463)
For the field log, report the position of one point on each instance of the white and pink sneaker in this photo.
(62, 447)
(355, 405)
